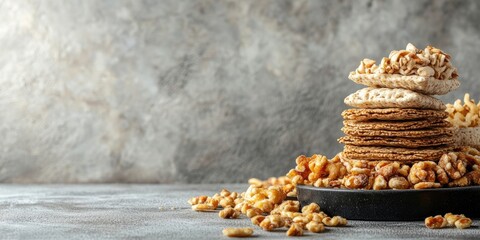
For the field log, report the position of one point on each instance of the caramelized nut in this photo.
(229, 213)
(252, 212)
(311, 208)
(335, 221)
(197, 200)
(463, 223)
(435, 222)
(202, 207)
(452, 218)
(295, 230)
(257, 220)
(238, 232)
(315, 227)
(398, 183)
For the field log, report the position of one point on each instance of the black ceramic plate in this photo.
(393, 205)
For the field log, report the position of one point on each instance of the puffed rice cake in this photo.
(424, 85)
(392, 98)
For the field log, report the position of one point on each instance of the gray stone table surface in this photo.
(156, 212)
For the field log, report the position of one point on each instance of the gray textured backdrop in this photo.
(197, 91)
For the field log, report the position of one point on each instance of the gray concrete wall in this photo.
(197, 91)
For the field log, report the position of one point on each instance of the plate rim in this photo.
(388, 191)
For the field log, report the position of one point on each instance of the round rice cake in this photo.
(425, 85)
(392, 114)
(392, 98)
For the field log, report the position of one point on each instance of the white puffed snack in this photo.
(392, 98)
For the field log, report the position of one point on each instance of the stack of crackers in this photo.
(398, 135)
(396, 118)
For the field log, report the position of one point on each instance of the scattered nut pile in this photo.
(458, 168)
(449, 220)
(266, 204)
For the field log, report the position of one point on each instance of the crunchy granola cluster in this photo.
(449, 220)
(430, 62)
(464, 115)
(454, 169)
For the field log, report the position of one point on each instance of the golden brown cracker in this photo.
(433, 132)
(397, 125)
(390, 114)
(395, 154)
(397, 141)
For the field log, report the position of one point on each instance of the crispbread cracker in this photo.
(397, 141)
(397, 125)
(425, 85)
(407, 134)
(392, 114)
(469, 136)
(356, 162)
(395, 154)
(392, 98)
